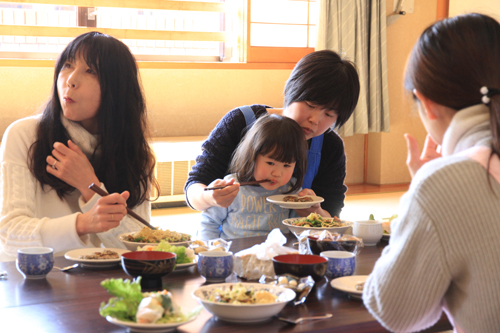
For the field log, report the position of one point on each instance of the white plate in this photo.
(183, 267)
(132, 246)
(74, 255)
(278, 199)
(148, 328)
(244, 313)
(298, 229)
(348, 284)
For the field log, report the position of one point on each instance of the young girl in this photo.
(93, 129)
(320, 95)
(274, 149)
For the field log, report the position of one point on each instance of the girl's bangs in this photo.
(284, 153)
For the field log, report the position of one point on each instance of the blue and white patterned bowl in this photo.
(340, 263)
(215, 266)
(35, 262)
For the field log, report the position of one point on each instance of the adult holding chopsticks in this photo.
(93, 129)
(321, 94)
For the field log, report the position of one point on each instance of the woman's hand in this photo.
(106, 214)
(69, 164)
(313, 209)
(430, 152)
(224, 197)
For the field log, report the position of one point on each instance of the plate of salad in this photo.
(185, 256)
(142, 311)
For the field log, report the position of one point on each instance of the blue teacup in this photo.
(215, 266)
(35, 262)
(340, 263)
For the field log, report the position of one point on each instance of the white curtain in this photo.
(357, 29)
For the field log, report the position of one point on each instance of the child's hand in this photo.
(224, 197)
(313, 209)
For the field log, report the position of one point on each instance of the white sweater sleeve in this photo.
(19, 224)
(406, 288)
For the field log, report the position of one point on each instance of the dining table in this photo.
(69, 301)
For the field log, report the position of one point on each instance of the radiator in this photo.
(174, 159)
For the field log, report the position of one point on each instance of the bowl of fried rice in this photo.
(147, 236)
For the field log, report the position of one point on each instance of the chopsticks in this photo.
(241, 184)
(130, 212)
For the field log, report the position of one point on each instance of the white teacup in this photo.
(368, 230)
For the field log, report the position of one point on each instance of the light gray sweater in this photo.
(444, 251)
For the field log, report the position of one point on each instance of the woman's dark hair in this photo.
(125, 160)
(453, 59)
(272, 134)
(325, 79)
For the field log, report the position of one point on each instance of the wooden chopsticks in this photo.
(241, 184)
(130, 212)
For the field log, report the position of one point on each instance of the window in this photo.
(281, 30)
(182, 30)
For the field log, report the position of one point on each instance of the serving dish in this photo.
(244, 313)
(74, 255)
(132, 246)
(149, 328)
(278, 200)
(299, 229)
(348, 284)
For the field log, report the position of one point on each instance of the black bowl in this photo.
(150, 265)
(301, 265)
(316, 246)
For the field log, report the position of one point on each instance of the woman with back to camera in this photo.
(320, 94)
(93, 129)
(444, 253)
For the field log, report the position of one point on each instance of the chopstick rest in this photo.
(130, 212)
(241, 184)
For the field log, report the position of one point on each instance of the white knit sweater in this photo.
(444, 251)
(30, 216)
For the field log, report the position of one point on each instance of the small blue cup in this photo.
(35, 262)
(340, 263)
(215, 266)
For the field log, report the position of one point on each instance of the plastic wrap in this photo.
(255, 261)
(317, 241)
(218, 244)
(301, 286)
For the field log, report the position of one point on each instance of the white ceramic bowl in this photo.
(244, 313)
(368, 230)
(298, 230)
(132, 246)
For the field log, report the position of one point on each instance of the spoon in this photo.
(301, 319)
(67, 268)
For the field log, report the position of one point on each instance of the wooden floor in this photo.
(361, 201)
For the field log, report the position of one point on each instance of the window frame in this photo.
(252, 57)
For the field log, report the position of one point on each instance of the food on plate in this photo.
(359, 286)
(316, 220)
(184, 255)
(130, 304)
(240, 294)
(106, 254)
(147, 235)
(293, 198)
(386, 223)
